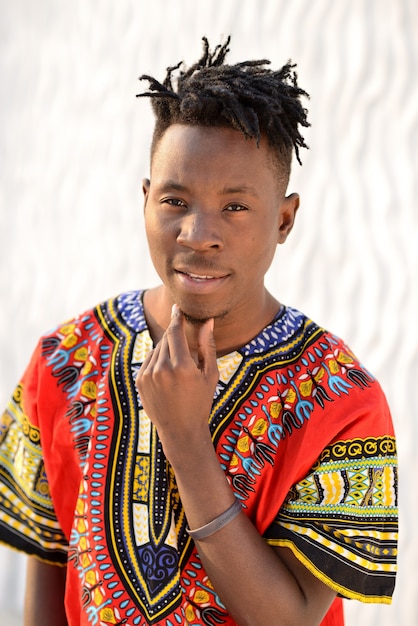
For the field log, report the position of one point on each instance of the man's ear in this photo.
(287, 215)
(145, 189)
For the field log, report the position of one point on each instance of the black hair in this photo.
(247, 96)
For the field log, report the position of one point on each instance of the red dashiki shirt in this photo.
(301, 429)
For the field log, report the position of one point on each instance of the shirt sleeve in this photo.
(341, 519)
(27, 518)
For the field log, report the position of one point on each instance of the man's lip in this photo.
(202, 274)
(200, 283)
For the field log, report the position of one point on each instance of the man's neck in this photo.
(228, 335)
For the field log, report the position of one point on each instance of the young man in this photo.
(199, 453)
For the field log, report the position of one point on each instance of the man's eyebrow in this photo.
(236, 189)
(173, 185)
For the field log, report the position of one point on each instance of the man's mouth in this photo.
(202, 277)
(199, 276)
(201, 283)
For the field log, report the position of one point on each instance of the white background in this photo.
(74, 145)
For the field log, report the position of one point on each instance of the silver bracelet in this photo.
(219, 522)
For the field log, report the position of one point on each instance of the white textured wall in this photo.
(74, 146)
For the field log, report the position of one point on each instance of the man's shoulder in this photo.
(294, 336)
(81, 345)
(126, 306)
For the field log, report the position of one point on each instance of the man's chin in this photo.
(195, 321)
(199, 318)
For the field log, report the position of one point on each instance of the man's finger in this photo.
(176, 336)
(207, 347)
(149, 362)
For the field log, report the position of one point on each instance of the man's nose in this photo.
(201, 231)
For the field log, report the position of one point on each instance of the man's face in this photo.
(214, 213)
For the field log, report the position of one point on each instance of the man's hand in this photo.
(44, 595)
(176, 386)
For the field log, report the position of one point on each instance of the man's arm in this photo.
(44, 596)
(258, 584)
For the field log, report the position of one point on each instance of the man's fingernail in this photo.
(211, 324)
(174, 310)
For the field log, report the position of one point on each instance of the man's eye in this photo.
(236, 207)
(173, 201)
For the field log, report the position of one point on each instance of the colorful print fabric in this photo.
(301, 430)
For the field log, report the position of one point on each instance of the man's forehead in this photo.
(220, 147)
(179, 140)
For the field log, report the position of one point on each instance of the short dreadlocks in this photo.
(246, 96)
